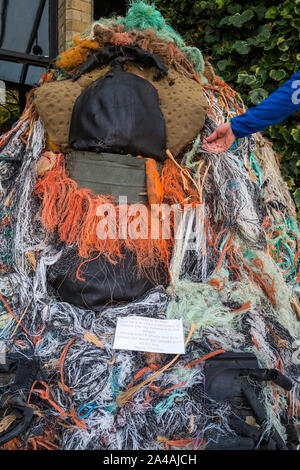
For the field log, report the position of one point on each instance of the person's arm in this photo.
(277, 107)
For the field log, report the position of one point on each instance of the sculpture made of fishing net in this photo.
(230, 267)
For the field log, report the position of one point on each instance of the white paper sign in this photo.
(149, 335)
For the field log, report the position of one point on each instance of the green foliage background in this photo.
(9, 111)
(254, 46)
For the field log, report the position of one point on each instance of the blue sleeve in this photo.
(277, 107)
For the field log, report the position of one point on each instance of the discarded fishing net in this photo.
(231, 260)
(181, 101)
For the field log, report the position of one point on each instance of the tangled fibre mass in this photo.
(232, 270)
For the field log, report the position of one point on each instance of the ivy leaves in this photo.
(242, 47)
(238, 20)
(257, 95)
(246, 79)
(278, 74)
(253, 46)
(295, 133)
(263, 34)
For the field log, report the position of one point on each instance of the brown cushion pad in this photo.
(54, 102)
(181, 100)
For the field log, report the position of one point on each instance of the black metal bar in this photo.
(23, 58)
(36, 25)
(32, 37)
(3, 21)
(17, 86)
(53, 29)
(22, 98)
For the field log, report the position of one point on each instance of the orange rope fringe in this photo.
(61, 365)
(245, 306)
(204, 358)
(125, 396)
(73, 212)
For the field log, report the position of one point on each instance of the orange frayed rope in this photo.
(75, 214)
(125, 396)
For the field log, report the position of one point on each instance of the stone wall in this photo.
(74, 16)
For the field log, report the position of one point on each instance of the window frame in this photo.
(26, 58)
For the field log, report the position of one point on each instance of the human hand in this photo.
(46, 163)
(220, 140)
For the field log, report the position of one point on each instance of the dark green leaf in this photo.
(270, 44)
(246, 79)
(286, 134)
(296, 135)
(260, 10)
(222, 64)
(238, 20)
(296, 23)
(241, 47)
(198, 7)
(257, 95)
(271, 13)
(264, 33)
(297, 197)
(234, 8)
(277, 74)
(283, 44)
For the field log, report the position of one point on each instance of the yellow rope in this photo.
(125, 396)
(6, 422)
(93, 339)
(19, 321)
(183, 170)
